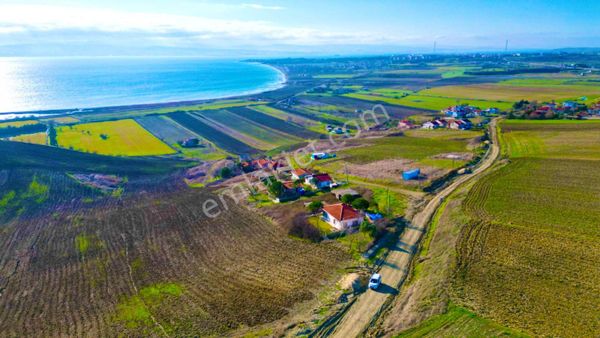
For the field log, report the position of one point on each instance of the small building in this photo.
(405, 124)
(341, 192)
(321, 156)
(411, 174)
(342, 216)
(319, 181)
(300, 173)
(190, 142)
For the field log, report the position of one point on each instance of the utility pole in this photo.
(388, 202)
(346, 171)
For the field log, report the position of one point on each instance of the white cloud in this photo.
(48, 19)
(263, 7)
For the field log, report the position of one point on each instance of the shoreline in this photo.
(279, 84)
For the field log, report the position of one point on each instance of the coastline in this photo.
(280, 83)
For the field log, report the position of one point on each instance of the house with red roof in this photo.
(342, 216)
(319, 181)
(300, 173)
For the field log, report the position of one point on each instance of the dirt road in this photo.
(396, 266)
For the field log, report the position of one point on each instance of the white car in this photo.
(375, 281)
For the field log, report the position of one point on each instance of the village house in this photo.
(460, 124)
(319, 181)
(434, 124)
(300, 173)
(405, 124)
(260, 164)
(342, 216)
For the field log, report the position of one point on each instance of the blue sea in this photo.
(35, 84)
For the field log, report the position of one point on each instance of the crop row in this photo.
(218, 137)
(274, 123)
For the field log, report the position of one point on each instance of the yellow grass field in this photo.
(63, 120)
(37, 138)
(117, 138)
(18, 124)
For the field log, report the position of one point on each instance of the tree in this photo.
(315, 206)
(347, 198)
(276, 188)
(225, 172)
(368, 227)
(360, 204)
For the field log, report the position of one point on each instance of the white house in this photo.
(342, 216)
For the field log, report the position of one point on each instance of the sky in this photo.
(278, 28)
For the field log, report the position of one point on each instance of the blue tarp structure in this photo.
(374, 217)
(411, 174)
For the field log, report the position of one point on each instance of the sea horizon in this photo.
(40, 86)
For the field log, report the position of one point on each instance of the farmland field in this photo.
(263, 137)
(117, 138)
(219, 138)
(274, 123)
(531, 261)
(152, 266)
(36, 138)
(18, 123)
(165, 129)
(427, 100)
(518, 89)
(286, 116)
(551, 139)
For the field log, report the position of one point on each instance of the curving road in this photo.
(396, 266)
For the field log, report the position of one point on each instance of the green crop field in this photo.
(415, 146)
(531, 262)
(431, 102)
(518, 89)
(117, 138)
(551, 139)
(459, 322)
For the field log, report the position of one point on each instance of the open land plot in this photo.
(551, 139)
(171, 133)
(286, 116)
(382, 160)
(165, 129)
(531, 264)
(458, 321)
(430, 102)
(126, 112)
(153, 266)
(61, 120)
(519, 89)
(265, 138)
(530, 260)
(120, 138)
(18, 123)
(219, 138)
(353, 104)
(36, 138)
(291, 129)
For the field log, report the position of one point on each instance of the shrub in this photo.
(348, 199)
(315, 206)
(225, 172)
(301, 228)
(360, 204)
